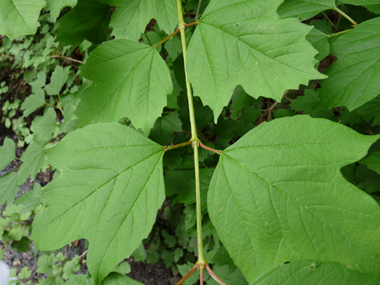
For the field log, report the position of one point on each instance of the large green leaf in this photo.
(55, 6)
(131, 17)
(245, 43)
(109, 192)
(129, 80)
(311, 273)
(88, 20)
(304, 9)
(354, 77)
(19, 17)
(7, 153)
(278, 195)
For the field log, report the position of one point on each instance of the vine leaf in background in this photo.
(315, 273)
(87, 20)
(33, 161)
(43, 126)
(55, 6)
(129, 80)
(278, 195)
(304, 9)
(131, 16)
(244, 43)
(354, 77)
(7, 153)
(373, 161)
(19, 17)
(109, 192)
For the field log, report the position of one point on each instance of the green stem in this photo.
(338, 34)
(194, 138)
(174, 33)
(181, 28)
(346, 16)
(169, 147)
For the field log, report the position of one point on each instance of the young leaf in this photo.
(354, 77)
(7, 153)
(311, 273)
(278, 195)
(109, 192)
(8, 188)
(31, 199)
(33, 160)
(164, 127)
(373, 161)
(87, 20)
(57, 80)
(131, 17)
(33, 102)
(55, 6)
(43, 126)
(245, 43)
(304, 9)
(129, 80)
(19, 17)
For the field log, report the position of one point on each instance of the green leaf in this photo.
(278, 195)
(371, 110)
(109, 192)
(131, 17)
(164, 128)
(24, 273)
(123, 268)
(57, 80)
(373, 161)
(71, 267)
(45, 264)
(304, 9)
(312, 273)
(88, 20)
(353, 78)
(43, 126)
(33, 102)
(7, 153)
(23, 245)
(361, 2)
(8, 188)
(182, 184)
(245, 43)
(55, 6)
(33, 161)
(129, 80)
(19, 18)
(320, 42)
(119, 279)
(31, 199)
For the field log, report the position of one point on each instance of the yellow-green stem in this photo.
(194, 137)
(346, 16)
(188, 86)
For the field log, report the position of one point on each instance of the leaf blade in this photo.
(124, 193)
(302, 162)
(244, 43)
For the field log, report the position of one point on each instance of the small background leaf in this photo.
(18, 17)
(7, 153)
